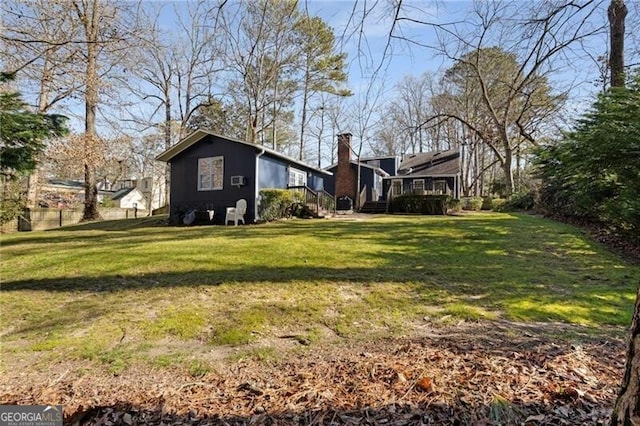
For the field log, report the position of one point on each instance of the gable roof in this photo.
(122, 192)
(63, 183)
(197, 135)
(431, 164)
(70, 185)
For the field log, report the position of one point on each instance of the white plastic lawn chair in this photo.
(236, 213)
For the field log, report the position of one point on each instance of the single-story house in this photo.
(436, 172)
(212, 172)
(130, 198)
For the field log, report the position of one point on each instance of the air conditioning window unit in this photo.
(238, 180)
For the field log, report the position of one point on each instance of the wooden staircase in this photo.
(319, 203)
(373, 207)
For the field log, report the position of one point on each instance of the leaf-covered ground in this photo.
(490, 373)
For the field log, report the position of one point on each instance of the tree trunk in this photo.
(167, 139)
(626, 411)
(303, 123)
(90, 194)
(617, 12)
(43, 104)
(32, 188)
(91, 19)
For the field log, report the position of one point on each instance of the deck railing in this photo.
(362, 197)
(317, 201)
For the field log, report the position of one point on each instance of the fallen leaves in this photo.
(482, 379)
(425, 384)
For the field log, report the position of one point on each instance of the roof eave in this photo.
(197, 135)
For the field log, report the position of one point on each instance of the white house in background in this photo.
(130, 198)
(151, 188)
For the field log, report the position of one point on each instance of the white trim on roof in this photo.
(194, 137)
(420, 176)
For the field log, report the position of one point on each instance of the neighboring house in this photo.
(212, 172)
(381, 177)
(427, 173)
(130, 198)
(152, 188)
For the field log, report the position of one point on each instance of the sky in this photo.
(362, 29)
(375, 60)
(367, 46)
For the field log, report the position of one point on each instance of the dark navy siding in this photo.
(389, 165)
(274, 173)
(366, 180)
(239, 160)
(315, 181)
(330, 181)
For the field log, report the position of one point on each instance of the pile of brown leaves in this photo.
(472, 374)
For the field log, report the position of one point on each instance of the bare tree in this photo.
(174, 74)
(538, 38)
(260, 57)
(94, 35)
(35, 46)
(363, 116)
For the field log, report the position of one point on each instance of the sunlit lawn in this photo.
(115, 292)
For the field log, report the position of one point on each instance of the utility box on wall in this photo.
(238, 181)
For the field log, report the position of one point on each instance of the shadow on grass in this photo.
(504, 263)
(424, 287)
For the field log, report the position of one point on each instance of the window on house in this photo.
(210, 173)
(396, 187)
(418, 186)
(440, 186)
(297, 177)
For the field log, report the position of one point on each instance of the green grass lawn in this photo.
(131, 291)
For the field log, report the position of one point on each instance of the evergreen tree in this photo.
(594, 174)
(22, 133)
(22, 136)
(322, 70)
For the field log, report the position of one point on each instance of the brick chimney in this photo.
(345, 174)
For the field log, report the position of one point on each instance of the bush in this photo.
(591, 174)
(471, 203)
(275, 204)
(490, 203)
(519, 201)
(419, 204)
(455, 205)
(497, 203)
(11, 202)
